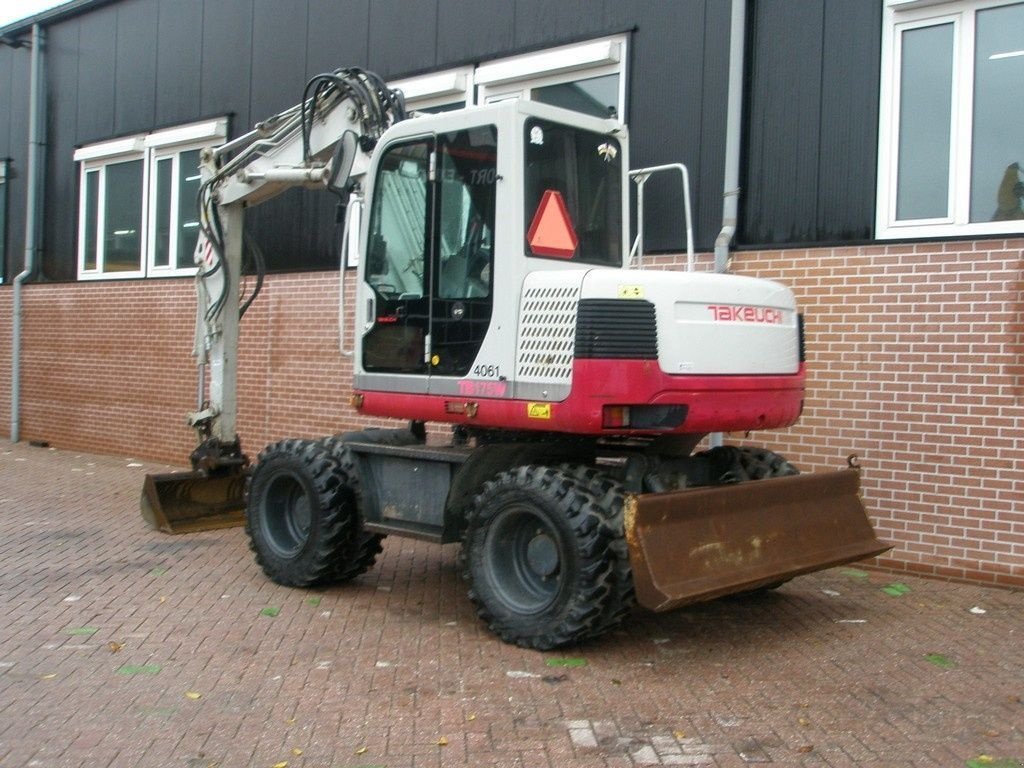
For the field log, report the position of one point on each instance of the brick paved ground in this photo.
(125, 647)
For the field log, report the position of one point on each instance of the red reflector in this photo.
(615, 416)
(551, 232)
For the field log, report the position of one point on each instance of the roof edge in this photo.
(59, 13)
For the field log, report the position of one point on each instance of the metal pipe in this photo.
(640, 177)
(733, 135)
(33, 221)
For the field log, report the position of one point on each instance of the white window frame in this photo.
(900, 16)
(438, 89)
(517, 76)
(151, 147)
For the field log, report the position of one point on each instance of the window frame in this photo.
(517, 76)
(150, 148)
(900, 16)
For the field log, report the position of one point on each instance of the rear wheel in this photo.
(298, 514)
(537, 559)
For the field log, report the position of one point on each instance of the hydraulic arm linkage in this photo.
(323, 142)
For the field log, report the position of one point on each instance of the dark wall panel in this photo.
(468, 30)
(18, 152)
(227, 59)
(278, 58)
(338, 35)
(135, 62)
(62, 63)
(179, 56)
(849, 120)
(403, 37)
(541, 22)
(812, 115)
(97, 49)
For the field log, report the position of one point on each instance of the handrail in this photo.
(640, 177)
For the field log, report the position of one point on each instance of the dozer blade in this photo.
(185, 502)
(699, 544)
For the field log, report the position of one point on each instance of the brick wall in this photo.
(916, 356)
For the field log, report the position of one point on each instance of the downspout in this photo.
(733, 135)
(33, 198)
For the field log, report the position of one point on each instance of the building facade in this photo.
(879, 152)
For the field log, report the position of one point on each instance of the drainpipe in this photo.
(733, 134)
(33, 198)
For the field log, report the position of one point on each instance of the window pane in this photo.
(92, 212)
(162, 212)
(188, 217)
(122, 251)
(594, 96)
(926, 109)
(397, 244)
(997, 182)
(584, 170)
(468, 182)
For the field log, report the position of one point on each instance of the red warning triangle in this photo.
(552, 233)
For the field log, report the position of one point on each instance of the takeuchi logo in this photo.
(731, 313)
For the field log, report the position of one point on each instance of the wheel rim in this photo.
(287, 515)
(524, 560)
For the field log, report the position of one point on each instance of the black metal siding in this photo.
(812, 116)
(137, 65)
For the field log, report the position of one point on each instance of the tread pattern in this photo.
(572, 510)
(309, 465)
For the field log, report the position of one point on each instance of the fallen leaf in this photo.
(361, 750)
(290, 721)
(114, 646)
(471, 717)
(139, 669)
(804, 722)
(194, 695)
(679, 734)
(313, 601)
(158, 571)
(296, 751)
(566, 662)
(896, 589)
(854, 573)
(163, 599)
(978, 610)
(270, 611)
(47, 677)
(616, 681)
(805, 749)
(83, 631)
(282, 764)
(939, 660)
(442, 742)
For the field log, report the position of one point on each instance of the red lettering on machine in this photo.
(730, 313)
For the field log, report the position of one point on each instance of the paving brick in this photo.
(108, 627)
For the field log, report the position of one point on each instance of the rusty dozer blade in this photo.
(699, 544)
(185, 502)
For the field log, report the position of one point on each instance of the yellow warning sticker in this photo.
(631, 291)
(538, 410)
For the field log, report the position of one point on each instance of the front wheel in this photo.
(536, 555)
(299, 513)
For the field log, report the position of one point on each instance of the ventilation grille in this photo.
(617, 328)
(546, 335)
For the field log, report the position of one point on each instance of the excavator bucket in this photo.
(185, 502)
(693, 545)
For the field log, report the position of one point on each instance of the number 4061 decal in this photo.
(485, 371)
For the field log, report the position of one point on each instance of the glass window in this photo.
(398, 230)
(573, 194)
(468, 175)
(137, 209)
(598, 96)
(951, 147)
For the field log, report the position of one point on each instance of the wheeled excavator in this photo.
(497, 293)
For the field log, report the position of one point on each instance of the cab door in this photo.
(429, 257)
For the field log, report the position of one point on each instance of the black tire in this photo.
(360, 553)
(537, 559)
(610, 497)
(299, 514)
